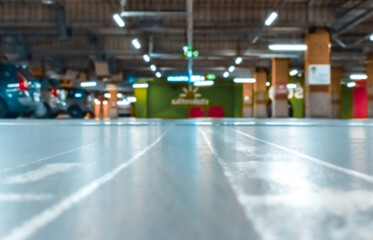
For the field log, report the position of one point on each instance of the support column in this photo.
(318, 76)
(280, 76)
(369, 70)
(260, 88)
(336, 76)
(247, 110)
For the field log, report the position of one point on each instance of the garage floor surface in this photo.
(186, 179)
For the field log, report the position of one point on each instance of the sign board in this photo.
(102, 68)
(319, 74)
(190, 96)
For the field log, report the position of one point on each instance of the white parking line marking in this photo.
(36, 223)
(347, 171)
(24, 197)
(45, 158)
(40, 173)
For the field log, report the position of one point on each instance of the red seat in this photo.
(216, 112)
(196, 112)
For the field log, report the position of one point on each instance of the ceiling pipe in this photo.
(152, 14)
(189, 18)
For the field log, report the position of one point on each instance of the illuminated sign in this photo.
(190, 96)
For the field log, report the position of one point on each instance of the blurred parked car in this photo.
(79, 102)
(18, 95)
(53, 99)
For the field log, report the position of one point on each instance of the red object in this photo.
(196, 112)
(54, 92)
(360, 100)
(23, 83)
(216, 112)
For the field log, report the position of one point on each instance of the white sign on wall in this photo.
(319, 74)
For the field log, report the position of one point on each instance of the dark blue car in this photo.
(18, 94)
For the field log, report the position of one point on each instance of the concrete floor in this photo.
(186, 179)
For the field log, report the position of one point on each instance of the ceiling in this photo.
(71, 34)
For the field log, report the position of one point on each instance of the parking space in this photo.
(186, 179)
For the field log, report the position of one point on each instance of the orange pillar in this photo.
(336, 79)
(318, 77)
(369, 69)
(280, 76)
(247, 110)
(260, 88)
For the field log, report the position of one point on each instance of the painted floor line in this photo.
(32, 226)
(40, 173)
(45, 158)
(347, 171)
(24, 197)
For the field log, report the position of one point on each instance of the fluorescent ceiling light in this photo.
(204, 83)
(292, 85)
(140, 85)
(226, 74)
(185, 49)
(196, 78)
(358, 76)
(107, 95)
(158, 74)
(268, 84)
(371, 38)
(351, 84)
(271, 19)
(288, 47)
(177, 79)
(88, 84)
(48, 2)
(293, 72)
(238, 60)
(153, 67)
(146, 58)
(120, 95)
(231, 69)
(131, 99)
(119, 20)
(244, 80)
(136, 43)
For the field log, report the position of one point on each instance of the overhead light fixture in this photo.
(293, 72)
(48, 2)
(118, 19)
(244, 80)
(238, 60)
(131, 99)
(146, 58)
(194, 78)
(268, 84)
(158, 74)
(288, 47)
(358, 76)
(226, 74)
(107, 95)
(272, 17)
(292, 86)
(153, 67)
(351, 84)
(140, 85)
(204, 83)
(185, 49)
(371, 38)
(88, 84)
(136, 43)
(231, 69)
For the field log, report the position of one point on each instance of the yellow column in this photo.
(318, 79)
(280, 76)
(336, 78)
(369, 69)
(260, 88)
(247, 89)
